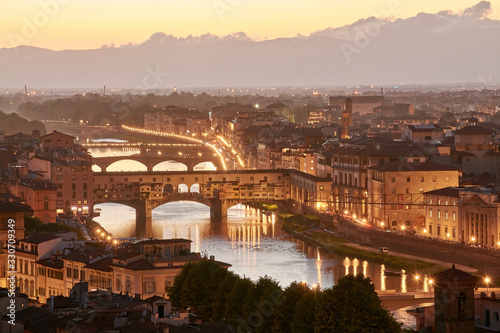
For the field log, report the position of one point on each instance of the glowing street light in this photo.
(487, 280)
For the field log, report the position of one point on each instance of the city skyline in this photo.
(60, 25)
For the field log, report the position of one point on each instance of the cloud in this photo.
(479, 11)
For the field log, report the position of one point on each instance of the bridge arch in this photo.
(182, 188)
(96, 168)
(195, 188)
(205, 166)
(170, 165)
(168, 189)
(134, 165)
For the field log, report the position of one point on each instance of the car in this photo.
(383, 249)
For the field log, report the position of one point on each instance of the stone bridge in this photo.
(219, 190)
(150, 161)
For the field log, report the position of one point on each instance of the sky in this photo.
(90, 24)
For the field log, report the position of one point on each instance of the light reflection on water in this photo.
(252, 243)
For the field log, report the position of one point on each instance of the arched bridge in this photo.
(219, 190)
(150, 161)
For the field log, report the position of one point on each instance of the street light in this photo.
(487, 280)
(417, 278)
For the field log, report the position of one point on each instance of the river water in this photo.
(252, 242)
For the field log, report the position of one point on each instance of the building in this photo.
(39, 194)
(360, 104)
(396, 192)
(12, 218)
(423, 133)
(442, 217)
(350, 172)
(72, 173)
(57, 141)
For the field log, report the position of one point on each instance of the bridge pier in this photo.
(218, 211)
(144, 220)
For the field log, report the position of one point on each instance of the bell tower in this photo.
(454, 301)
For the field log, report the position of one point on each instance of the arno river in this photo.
(253, 243)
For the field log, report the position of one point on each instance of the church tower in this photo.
(454, 301)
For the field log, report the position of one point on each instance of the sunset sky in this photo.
(89, 24)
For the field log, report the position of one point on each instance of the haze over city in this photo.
(246, 44)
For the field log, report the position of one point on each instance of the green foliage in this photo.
(12, 123)
(353, 306)
(33, 225)
(219, 296)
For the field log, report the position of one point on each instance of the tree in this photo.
(353, 306)
(285, 311)
(195, 287)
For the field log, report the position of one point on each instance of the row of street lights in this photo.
(145, 131)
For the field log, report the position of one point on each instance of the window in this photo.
(439, 230)
(408, 191)
(73, 187)
(393, 179)
(430, 228)
(68, 272)
(454, 217)
(421, 190)
(439, 214)
(73, 177)
(430, 213)
(446, 215)
(422, 179)
(434, 179)
(84, 177)
(408, 179)
(75, 273)
(59, 177)
(321, 187)
(461, 303)
(447, 178)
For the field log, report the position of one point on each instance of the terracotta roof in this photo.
(84, 255)
(405, 166)
(154, 298)
(102, 265)
(473, 130)
(56, 264)
(40, 238)
(56, 132)
(276, 105)
(425, 128)
(454, 276)
(141, 265)
(13, 207)
(124, 255)
(447, 192)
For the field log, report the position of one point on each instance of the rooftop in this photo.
(404, 166)
(454, 276)
(473, 130)
(40, 238)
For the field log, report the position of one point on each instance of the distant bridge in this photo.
(150, 161)
(139, 145)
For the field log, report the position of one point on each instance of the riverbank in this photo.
(307, 229)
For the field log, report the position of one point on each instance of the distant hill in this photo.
(12, 123)
(444, 47)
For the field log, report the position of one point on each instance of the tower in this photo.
(454, 301)
(346, 119)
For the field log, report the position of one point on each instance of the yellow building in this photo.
(396, 192)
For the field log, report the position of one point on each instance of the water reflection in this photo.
(252, 243)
